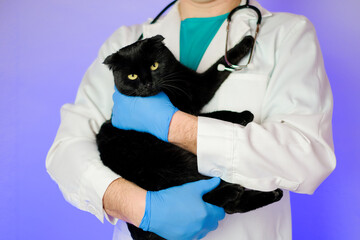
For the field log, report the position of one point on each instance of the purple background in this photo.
(46, 46)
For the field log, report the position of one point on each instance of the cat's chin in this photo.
(147, 94)
(146, 91)
(140, 93)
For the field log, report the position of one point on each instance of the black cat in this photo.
(146, 68)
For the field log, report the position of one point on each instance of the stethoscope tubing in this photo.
(231, 67)
(159, 15)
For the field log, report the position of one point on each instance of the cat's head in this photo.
(140, 67)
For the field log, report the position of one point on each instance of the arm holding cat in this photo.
(155, 115)
(183, 131)
(125, 200)
(291, 147)
(73, 160)
(174, 213)
(74, 164)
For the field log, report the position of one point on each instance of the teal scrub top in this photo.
(195, 37)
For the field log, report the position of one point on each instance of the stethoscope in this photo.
(230, 67)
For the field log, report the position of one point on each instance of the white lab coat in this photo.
(289, 144)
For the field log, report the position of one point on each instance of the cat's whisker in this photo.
(178, 74)
(131, 93)
(172, 80)
(171, 91)
(180, 90)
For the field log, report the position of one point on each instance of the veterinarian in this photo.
(288, 145)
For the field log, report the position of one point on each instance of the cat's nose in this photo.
(148, 85)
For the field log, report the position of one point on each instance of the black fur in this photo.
(151, 163)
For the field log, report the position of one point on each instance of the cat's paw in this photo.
(248, 41)
(252, 200)
(245, 45)
(246, 117)
(139, 234)
(231, 205)
(225, 196)
(278, 194)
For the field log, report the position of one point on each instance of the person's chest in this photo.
(242, 90)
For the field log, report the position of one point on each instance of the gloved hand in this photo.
(143, 114)
(180, 212)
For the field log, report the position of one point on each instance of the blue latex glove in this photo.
(143, 114)
(180, 212)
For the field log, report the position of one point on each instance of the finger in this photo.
(205, 186)
(161, 95)
(201, 235)
(212, 226)
(206, 230)
(217, 213)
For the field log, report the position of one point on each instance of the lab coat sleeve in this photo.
(291, 148)
(73, 161)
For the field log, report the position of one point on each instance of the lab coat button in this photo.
(216, 172)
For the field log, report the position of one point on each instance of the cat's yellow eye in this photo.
(132, 76)
(154, 66)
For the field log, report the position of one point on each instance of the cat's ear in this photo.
(158, 38)
(112, 60)
(156, 42)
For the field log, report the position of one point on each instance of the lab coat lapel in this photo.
(169, 28)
